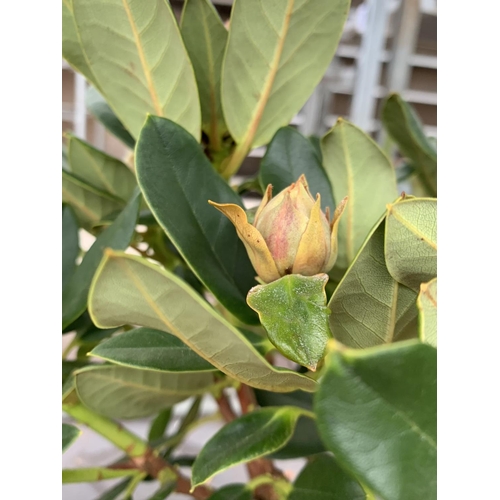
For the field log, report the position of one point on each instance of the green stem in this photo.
(120, 437)
(133, 485)
(93, 474)
(235, 160)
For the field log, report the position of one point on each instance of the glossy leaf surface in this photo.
(177, 181)
(138, 59)
(323, 479)
(276, 55)
(116, 236)
(369, 307)
(288, 156)
(232, 492)
(293, 311)
(405, 128)
(131, 290)
(376, 412)
(251, 436)
(411, 241)
(122, 392)
(205, 39)
(69, 435)
(427, 317)
(98, 106)
(152, 350)
(359, 169)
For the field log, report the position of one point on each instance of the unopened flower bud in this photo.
(290, 233)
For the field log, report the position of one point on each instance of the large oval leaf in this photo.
(251, 436)
(323, 479)
(122, 392)
(130, 290)
(100, 170)
(405, 128)
(116, 236)
(177, 181)
(136, 54)
(376, 411)
(98, 106)
(411, 241)
(427, 317)
(152, 350)
(359, 169)
(369, 307)
(205, 38)
(277, 52)
(288, 156)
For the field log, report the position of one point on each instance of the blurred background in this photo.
(387, 46)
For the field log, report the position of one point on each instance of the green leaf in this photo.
(205, 39)
(288, 156)
(159, 425)
(113, 493)
(323, 479)
(177, 181)
(305, 440)
(98, 106)
(359, 169)
(130, 290)
(368, 306)
(121, 392)
(411, 241)
(152, 350)
(232, 492)
(249, 437)
(100, 170)
(71, 46)
(90, 204)
(68, 367)
(277, 52)
(260, 343)
(116, 236)
(69, 435)
(376, 412)
(405, 129)
(293, 311)
(427, 317)
(137, 56)
(70, 244)
(164, 491)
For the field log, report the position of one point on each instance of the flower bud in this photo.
(290, 233)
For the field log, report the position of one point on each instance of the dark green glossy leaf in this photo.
(152, 350)
(131, 290)
(164, 491)
(177, 181)
(69, 434)
(288, 156)
(427, 317)
(117, 236)
(376, 411)
(259, 342)
(405, 128)
(368, 306)
(113, 493)
(305, 440)
(205, 38)
(121, 392)
(293, 311)
(411, 241)
(100, 170)
(251, 436)
(98, 106)
(323, 479)
(159, 425)
(232, 492)
(70, 244)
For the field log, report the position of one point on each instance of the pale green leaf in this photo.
(205, 38)
(136, 53)
(368, 306)
(411, 241)
(427, 318)
(121, 392)
(359, 169)
(130, 290)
